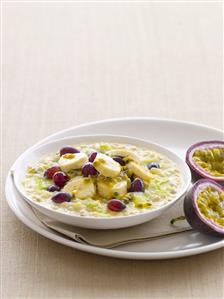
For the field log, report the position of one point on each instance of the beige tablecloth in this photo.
(69, 63)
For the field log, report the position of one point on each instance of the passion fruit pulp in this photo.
(204, 207)
(206, 160)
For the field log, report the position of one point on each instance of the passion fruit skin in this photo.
(192, 214)
(197, 172)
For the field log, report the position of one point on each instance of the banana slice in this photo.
(140, 171)
(72, 161)
(106, 166)
(80, 187)
(109, 189)
(126, 154)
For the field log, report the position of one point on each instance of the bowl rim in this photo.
(29, 200)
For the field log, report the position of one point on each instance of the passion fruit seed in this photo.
(143, 205)
(116, 205)
(211, 160)
(206, 160)
(211, 204)
(61, 197)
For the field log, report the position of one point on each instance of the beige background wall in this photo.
(69, 63)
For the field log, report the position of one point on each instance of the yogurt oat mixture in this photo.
(103, 180)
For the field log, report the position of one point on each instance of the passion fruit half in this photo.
(206, 160)
(204, 207)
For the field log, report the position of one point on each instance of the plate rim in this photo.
(104, 251)
(115, 119)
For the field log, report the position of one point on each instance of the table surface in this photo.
(70, 63)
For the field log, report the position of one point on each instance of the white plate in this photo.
(175, 135)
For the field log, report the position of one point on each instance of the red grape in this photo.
(119, 160)
(92, 157)
(60, 179)
(153, 164)
(61, 197)
(51, 171)
(137, 186)
(68, 150)
(116, 205)
(53, 188)
(88, 169)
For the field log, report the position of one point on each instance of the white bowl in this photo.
(34, 155)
